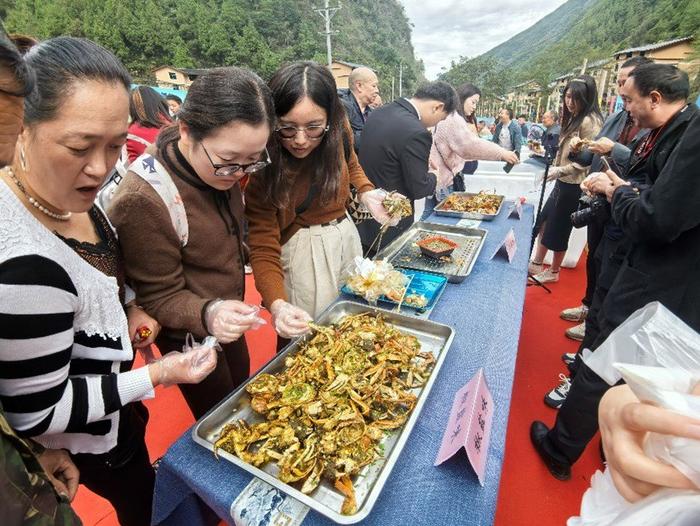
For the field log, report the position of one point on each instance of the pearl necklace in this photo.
(36, 204)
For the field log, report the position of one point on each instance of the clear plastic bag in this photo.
(658, 356)
(652, 336)
(373, 279)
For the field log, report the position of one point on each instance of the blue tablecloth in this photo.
(486, 312)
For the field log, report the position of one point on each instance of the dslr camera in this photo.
(590, 210)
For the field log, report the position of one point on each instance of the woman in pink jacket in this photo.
(456, 145)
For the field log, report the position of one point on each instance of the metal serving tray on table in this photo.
(404, 252)
(440, 209)
(325, 499)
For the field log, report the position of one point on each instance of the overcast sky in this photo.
(447, 29)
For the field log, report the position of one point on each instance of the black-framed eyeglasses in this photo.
(224, 170)
(313, 133)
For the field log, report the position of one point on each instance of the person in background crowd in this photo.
(377, 102)
(550, 138)
(358, 99)
(301, 238)
(661, 221)
(174, 104)
(536, 132)
(181, 278)
(397, 150)
(507, 133)
(456, 143)
(36, 484)
(524, 128)
(582, 120)
(149, 113)
(615, 139)
(482, 129)
(69, 356)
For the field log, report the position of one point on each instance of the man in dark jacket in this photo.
(396, 147)
(357, 99)
(615, 140)
(661, 219)
(508, 134)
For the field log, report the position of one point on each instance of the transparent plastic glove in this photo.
(190, 366)
(374, 202)
(289, 321)
(228, 320)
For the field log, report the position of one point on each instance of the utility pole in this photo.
(327, 14)
(393, 93)
(400, 79)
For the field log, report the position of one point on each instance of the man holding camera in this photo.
(658, 217)
(617, 136)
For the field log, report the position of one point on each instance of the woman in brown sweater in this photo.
(299, 233)
(179, 216)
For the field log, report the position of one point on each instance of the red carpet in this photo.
(528, 494)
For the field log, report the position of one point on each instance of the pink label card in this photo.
(507, 247)
(469, 426)
(517, 209)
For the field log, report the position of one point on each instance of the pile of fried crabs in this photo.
(327, 412)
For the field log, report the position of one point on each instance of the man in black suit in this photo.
(396, 147)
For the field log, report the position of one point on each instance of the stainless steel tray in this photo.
(403, 251)
(439, 209)
(434, 338)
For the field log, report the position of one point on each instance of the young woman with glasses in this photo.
(185, 251)
(301, 237)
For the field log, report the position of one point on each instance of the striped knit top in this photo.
(63, 339)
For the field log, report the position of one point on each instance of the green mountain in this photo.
(546, 32)
(258, 34)
(579, 29)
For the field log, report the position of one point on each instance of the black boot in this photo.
(538, 434)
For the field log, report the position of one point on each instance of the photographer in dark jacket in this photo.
(358, 98)
(615, 140)
(396, 148)
(660, 218)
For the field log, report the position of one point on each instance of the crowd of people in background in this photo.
(267, 170)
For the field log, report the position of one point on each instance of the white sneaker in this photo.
(577, 333)
(547, 276)
(575, 314)
(555, 398)
(535, 268)
(568, 358)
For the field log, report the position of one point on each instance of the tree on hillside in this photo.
(485, 72)
(258, 34)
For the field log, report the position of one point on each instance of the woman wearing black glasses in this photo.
(300, 235)
(179, 215)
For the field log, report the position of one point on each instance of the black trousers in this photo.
(124, 476)
(608, 259)
(232, 369)
(594, 235)
(577, 418)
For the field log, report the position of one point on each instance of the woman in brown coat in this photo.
(179, 216)
(301, 237)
